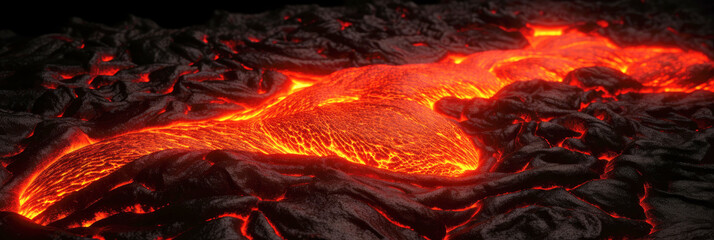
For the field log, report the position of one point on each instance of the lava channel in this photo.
(379, 115)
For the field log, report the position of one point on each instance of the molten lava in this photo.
(379, 115)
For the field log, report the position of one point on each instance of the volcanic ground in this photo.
(380, 120)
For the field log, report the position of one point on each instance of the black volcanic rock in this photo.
(610, 79)
(589, 158)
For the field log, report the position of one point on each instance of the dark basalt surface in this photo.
(626, 165)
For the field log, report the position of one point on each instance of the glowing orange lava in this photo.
(378, 115)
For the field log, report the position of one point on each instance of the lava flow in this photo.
(380, 115)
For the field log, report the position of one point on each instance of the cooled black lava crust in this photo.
(658, 185)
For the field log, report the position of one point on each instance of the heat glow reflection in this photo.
(377, 115)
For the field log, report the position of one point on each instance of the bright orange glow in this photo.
(379, 115)
(453, 58)
(547, 31)
(102, 215)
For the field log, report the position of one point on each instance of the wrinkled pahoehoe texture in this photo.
(591, 157)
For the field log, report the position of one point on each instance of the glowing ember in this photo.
(379, 116)
(547, 31)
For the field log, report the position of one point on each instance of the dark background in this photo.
(30, 18)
